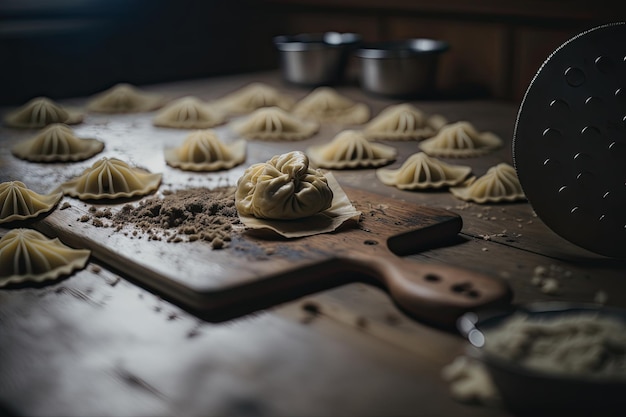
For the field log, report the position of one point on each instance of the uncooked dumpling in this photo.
(285, 187)
(18, 202)
(40, 112)
(460, 140)
(403, 122)
(420, 171)
(111, 178)
(326, 105)
(124, 98)
(273, 123)
(27, 255)
(252, 97)
(203, 151)
(350, 149)
(499, 184)
(57, 143)
(189, 113)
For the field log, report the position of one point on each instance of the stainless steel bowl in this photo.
(404, 68)
(315, 59)
(535, 392)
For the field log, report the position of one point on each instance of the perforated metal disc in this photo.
(569, 144)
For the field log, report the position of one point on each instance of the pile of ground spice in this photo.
(184, 216)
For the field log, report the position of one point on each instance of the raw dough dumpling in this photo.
(350, 149)
(203, 151)
(460, 140)
(27, 255)
(189, 113)
(18, 202)
(124, 98)
(403, 122)
(252, 97)
(285, 187)
(111, 178)
(326, 105)
(499, 184)
(420, 171)
(57, 143)
(40, 112)
(273, 123)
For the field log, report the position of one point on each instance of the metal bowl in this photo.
(311, 59)
(527, 391)
(405, 68)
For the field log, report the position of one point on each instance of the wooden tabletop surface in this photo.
(97, 343)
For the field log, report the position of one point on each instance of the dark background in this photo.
(64, 48)
(73, 48)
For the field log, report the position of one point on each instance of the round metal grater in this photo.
(569, 143)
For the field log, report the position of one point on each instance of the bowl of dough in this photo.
(403, 68)
(553, 357)
(315, 59)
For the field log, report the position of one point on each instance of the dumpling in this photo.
(326, 105)
(18, 202)
(285, 187)
(189, 113)
(273, 123)
(111, 178)
(203, 151)
(350, 149)
(124, 98)
(403, 122)
(27, 255)
(252, 97)
(57, 143)
(40, 112)
(460, 140)
(420, 171)
(499, 184)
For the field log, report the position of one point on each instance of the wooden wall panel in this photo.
(477, 62)
(532, 47)
(496, 46)
(302, 22)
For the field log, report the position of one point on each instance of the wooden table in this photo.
(96, 343)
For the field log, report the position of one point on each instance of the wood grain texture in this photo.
(251, 268)
(98, 343)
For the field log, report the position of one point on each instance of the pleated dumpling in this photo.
(350, 149)
(189, 113)
(57, 143)
(403, 122)
(111, 178)
(252, 97)
(124, 98)
(18, 202)
(460, 140)
(274, 123)
(326, 105)
(40, 112)
(27, 255)
(202, 150)
(285, 187)
(499, 184)
(420, 171)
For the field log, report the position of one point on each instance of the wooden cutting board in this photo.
(254, 272)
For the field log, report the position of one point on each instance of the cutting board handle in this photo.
(438, 294)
